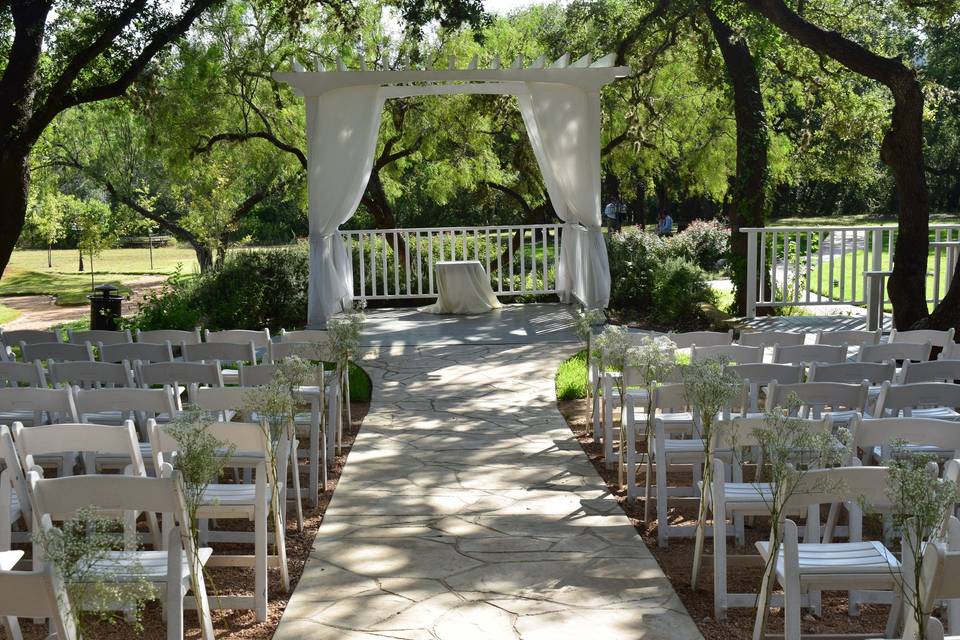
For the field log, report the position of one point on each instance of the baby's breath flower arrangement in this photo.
(200, 459)
(921, 504)
(74, 550)
(344, 342)
(710, 388)
(583, 325)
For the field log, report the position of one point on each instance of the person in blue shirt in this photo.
(664, 224)
(613, 212)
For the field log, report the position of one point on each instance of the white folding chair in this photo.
(86, 442)
(758, 376)
(229, 354)
(56, 351)
(36, 405)
(849, 337)
(173, 336)
(920, 400)
(807, 354)
(813, 567)
(240, 501)
(842, 401)
(145, 352)
(173, 570)
(942, 370)
(939, 580)
(731, 500)
(94, 336)
(15, 374)
(895, 351)
(90, 375)
(874, 438)
(771, 338)
(701, 338)
(37, 594)
(14, 500)
(941, 339)
(732, 353)
(179, 375)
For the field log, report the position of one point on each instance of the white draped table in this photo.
(462, 287)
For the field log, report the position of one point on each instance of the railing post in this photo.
(751, 272)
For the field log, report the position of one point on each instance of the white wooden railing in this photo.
(399, 263)
(811, 266)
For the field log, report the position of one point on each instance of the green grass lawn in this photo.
(119, 261)
(571, 379)
(858, 220)
(7, 314)
(28, 273)
(69, 289)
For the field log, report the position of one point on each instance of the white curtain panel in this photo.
(563, 122)
(342, 128)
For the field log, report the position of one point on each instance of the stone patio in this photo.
(467, 509)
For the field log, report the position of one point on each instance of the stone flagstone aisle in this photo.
(467, 510)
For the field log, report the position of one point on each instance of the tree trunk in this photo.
(901, 150)
(204, 257)
(750, 186)
(947, 314)
(14, 187)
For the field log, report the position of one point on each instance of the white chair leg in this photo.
(608, 422)
(791, 588)
(631, 455)
(173, 602)
(260, 560)
(12, 628)
(297, 495)
(719, 565)
(662, 523)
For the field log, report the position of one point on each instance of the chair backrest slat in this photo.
(853, 372)
(146, 401)
(82, 438)
(259, 338)
(701, 338)
(94, 336)
(826, 486)
(38, 594)
(810, 353)
(895, 351)
(173, 336)
(56, 403)
(305, 350)
(814, 397)
(62, 498)
(221, 351)
(91, 374)
(179, 372)
(942, 339)
(771, 338)
(143, 351)
(930, 371)
(57, 351)
(304, 335)
(904, 397)
(881, 432)
(732, 353)
(13, 374)
(30, 336)
(851, 337)
(257, 375)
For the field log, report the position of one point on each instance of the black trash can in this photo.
(105, 307)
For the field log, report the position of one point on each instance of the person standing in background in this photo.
(664, 224)
(614, 213)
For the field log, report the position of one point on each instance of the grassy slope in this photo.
(28, 273)
(7, 314)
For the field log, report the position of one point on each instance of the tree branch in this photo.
(241, 137)
(631, 39)
(161, 38)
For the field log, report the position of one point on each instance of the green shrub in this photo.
(571, 380)
(252, 290)
(649, 285)
(706, 243)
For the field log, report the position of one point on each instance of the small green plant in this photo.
(921, 504)
(74, 550)
(200, 459)
(710, 388)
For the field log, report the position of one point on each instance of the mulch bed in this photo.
(229, 580)
(677, 560)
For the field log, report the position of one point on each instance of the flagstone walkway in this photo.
(467, 509)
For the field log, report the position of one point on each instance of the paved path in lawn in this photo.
(467, 509)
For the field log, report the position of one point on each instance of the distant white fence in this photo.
(399, 263)
(811, 266)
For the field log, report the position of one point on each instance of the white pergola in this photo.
(560, 105)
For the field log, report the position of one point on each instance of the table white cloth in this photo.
(462, 287)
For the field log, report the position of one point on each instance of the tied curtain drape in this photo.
(563, 122)
(342, 128)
